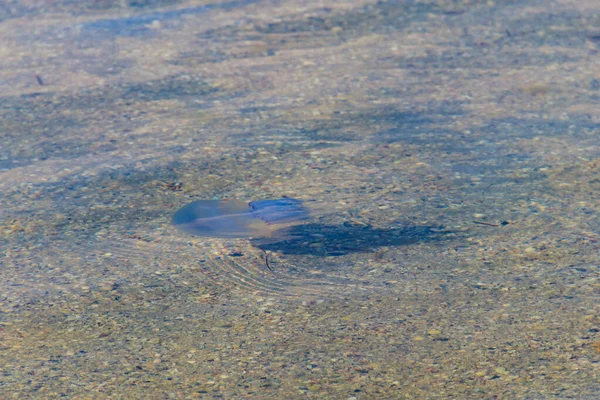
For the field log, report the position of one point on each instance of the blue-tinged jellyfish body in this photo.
(237, 219)
(279, 211)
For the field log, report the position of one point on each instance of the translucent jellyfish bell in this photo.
(279, 211)
(238, 219)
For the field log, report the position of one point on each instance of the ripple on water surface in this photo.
(266, 222)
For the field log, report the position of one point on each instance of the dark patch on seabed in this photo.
(57, 119)
(138, 25)
(338, 240)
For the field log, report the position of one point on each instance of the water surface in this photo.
(448, 149)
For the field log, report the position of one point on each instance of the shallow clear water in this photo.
(447, 154)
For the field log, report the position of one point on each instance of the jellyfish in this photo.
(238, 219)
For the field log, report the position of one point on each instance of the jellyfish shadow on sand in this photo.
(338, 240)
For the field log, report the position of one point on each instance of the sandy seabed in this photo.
(448, 151)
